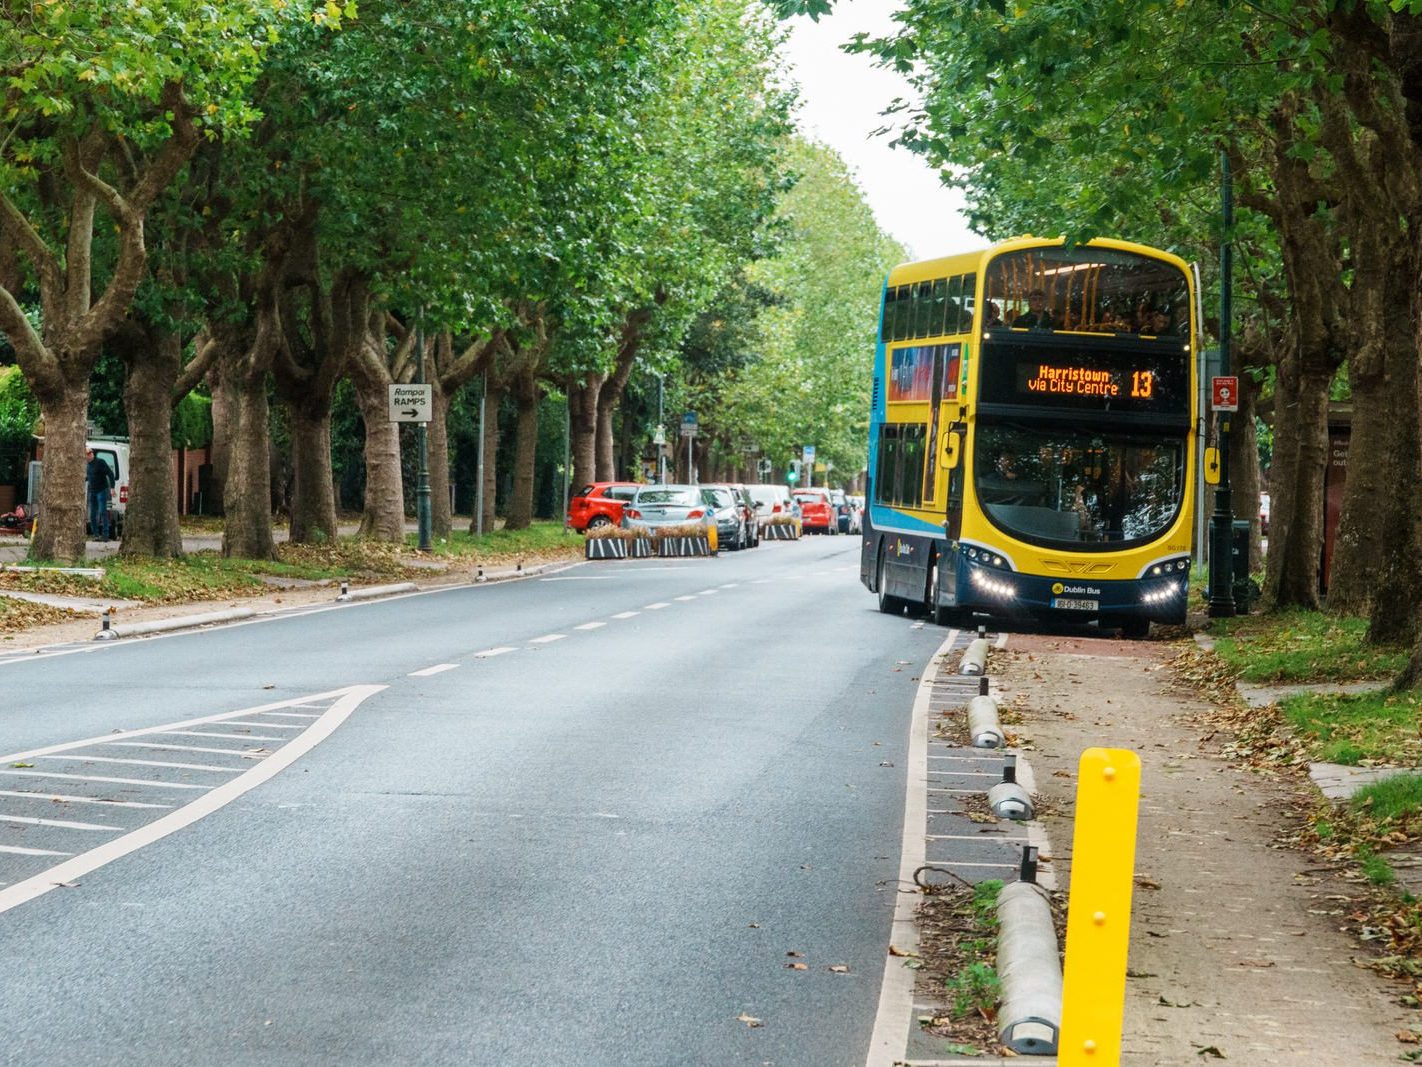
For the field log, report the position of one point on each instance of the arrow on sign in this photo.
(410, 414)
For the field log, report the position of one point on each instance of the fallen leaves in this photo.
(750, 1020)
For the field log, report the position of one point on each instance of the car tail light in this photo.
(697, 514)
(123, 494)
(775, 510)
(631, 513)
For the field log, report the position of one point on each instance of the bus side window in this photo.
(886, 323)
(922, 309)
(969, 302)
(888, 461)
(940, 308)
(903, 312)
(955, 303)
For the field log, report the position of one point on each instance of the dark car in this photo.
(841, 509)
(599, 504)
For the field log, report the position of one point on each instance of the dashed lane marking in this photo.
(684, 598)
(708, 592)
(547, 639)
(626, 614)
(494, 651)
(16, 850)
(438, 668)
(657, 606)
(590, 626)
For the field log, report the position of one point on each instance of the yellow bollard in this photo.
(711, 537)
(1098, 931)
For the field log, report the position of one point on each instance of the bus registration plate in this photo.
(1075, 604)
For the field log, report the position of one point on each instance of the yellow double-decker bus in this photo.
(1032, 433)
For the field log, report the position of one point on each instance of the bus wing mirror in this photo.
(1212, 466)
(952, 442)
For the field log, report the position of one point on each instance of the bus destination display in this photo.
(1074, 379)
(1057, 379)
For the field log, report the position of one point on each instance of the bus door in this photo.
(952, 461)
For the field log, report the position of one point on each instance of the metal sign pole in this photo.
(1221, 602)
(479, 466)
(422, 484)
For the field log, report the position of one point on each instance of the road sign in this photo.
(688, 424)
(764, 467)
(411, 403)
(808, 453)
(1224, 393)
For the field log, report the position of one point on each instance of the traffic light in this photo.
(793, 474)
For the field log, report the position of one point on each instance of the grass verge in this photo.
(1303, 646)
(1361, 728)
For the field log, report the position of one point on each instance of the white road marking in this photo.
(581, 578)
(60, 798)
(86, 758)
(547, 638)
(971, 774)
(228, 737)
(762, 581)
(241, 722)
(494, 651)
(291, 714)
(15, 850)
(245, 753)
(708, 592)
(78, 866)
(438, 668)
(730, 585)
(657, 606)
(888, 1044)
(64, 823)
(1010, 865)
(590, 626)
(96, 778)
(684, 598)
(626, 614)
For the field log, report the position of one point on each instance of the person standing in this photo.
(99, 478)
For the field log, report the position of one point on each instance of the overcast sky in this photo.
(842, 97)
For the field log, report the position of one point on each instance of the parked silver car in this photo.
(666, 505)
(772, 500)
(731, 530)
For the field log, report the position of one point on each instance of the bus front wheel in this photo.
(940, 615)
(889, 605)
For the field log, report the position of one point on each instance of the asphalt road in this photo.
(600, 847)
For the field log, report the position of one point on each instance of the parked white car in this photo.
(771, 500)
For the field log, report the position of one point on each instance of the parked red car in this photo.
(599, 504)
(817, 512)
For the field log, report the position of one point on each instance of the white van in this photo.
(114, 452)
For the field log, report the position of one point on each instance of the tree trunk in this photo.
(247, 529)
(313, 497)
(384, 515)
(582, 429)
(493, 397)
(437, 440)
(223, 420)
(63, 495)
(606, 459)
(150, 525)
(527, 394)
(1357, 545)
(1300, 458)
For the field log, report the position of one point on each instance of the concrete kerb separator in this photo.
(111, 630)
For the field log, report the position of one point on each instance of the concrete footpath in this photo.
(1239, 950)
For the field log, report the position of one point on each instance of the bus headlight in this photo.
(1161, 593)
(991, 584)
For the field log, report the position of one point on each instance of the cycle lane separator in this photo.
(344, 705)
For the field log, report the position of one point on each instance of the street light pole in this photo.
(1221, 603)
(479, 468)
(422, 484)
(662, 444)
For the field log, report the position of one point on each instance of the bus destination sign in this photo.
(1056, 379)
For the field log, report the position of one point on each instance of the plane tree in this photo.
(101, 114)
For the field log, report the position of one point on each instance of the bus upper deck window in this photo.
(955, 305)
